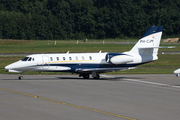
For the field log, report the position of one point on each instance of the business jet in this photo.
(86, 64)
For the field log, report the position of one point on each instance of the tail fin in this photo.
(148, 45)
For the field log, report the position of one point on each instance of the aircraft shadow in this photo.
(103, 79)
(109, 78)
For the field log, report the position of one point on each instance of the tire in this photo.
(20, 77)
(97, 76)
(86, 76)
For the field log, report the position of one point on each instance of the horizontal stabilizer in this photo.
(147, 47)
(167, 46)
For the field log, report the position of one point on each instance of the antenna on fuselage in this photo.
(67, 52)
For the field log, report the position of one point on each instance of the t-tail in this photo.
(147, 47)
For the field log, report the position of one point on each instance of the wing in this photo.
(102, 70)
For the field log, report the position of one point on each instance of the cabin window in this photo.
(25, 59)
(76, 58)
(33, 59)
(29, 59)
(90, 57)
(57, 58)
(82, 57)
(70, 58)
(51, 58)
(64, 58)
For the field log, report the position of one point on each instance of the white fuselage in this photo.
(71, 62)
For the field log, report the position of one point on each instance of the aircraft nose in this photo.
(177, 71)
(11, 66)
(7, 67)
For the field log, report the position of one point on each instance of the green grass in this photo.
(45, 46)
(166, 64)
(61, 47)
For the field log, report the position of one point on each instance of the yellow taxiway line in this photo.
(59, 102)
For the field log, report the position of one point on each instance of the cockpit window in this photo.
(25, 59)
(29, 59)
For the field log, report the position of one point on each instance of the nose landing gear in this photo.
(20, 77)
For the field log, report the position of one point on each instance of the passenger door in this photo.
(45, 61)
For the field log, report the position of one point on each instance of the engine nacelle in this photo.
(116, 58)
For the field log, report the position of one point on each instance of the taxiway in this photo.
(68, 97)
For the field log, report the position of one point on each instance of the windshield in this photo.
(25, 59)
(29, 59)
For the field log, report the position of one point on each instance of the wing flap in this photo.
(147, 47)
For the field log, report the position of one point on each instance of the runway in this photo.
(68, 97)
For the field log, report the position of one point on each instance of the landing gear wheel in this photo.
(20, 77)
(86, 76)
(97, 76)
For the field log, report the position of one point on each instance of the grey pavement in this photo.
(68, 97)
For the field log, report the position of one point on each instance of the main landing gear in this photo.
(86, 75)
(97, 76)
